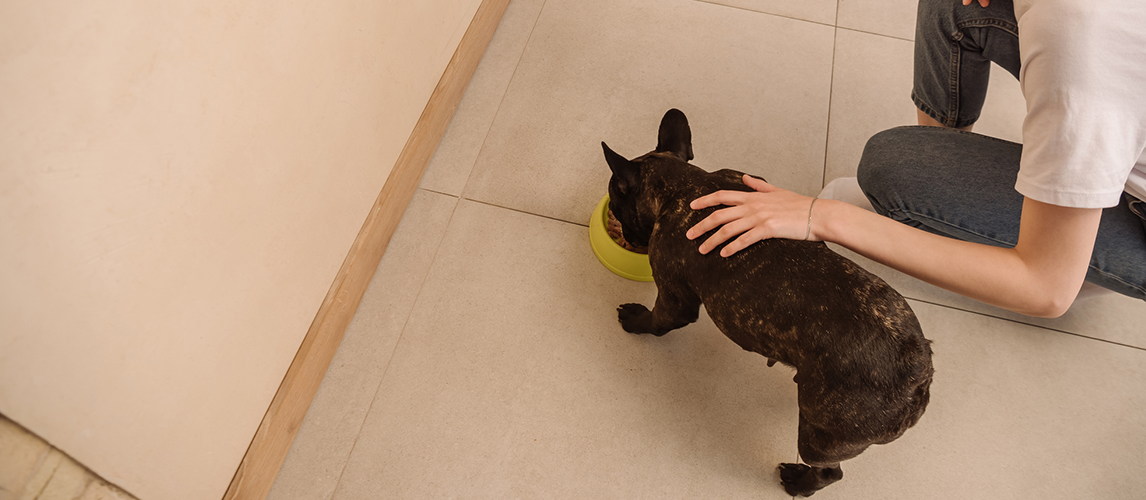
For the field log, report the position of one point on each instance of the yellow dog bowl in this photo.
(624, 263)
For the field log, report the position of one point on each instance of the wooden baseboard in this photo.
(272, 441)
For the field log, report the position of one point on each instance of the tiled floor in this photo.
(486, 361)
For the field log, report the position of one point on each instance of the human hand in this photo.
(984, 3)
(769, 212)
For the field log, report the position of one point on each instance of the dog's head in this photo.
(628, 193)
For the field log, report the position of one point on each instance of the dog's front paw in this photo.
(634, 318)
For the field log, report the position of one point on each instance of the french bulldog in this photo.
(863, 366)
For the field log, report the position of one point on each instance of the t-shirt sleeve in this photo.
(1083, 77)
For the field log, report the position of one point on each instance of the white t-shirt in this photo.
(1084, 78)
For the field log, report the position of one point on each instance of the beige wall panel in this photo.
(179, 183)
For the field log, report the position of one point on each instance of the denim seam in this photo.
(912, 213)
(953, 82)
(925, 108)
(957, 131)
(987, 22)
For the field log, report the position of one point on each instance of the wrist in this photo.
(826, 217)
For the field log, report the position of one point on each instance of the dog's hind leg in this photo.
(675, 307)
(805, 480)
(822, 450)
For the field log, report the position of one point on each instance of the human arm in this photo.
(1040, 276)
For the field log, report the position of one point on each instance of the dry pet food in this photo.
(613, 228)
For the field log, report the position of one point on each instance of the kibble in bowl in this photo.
(613, 227)
(615, 257)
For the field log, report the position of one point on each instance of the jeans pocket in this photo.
(1137, 207)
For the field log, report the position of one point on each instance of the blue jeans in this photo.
(955, 45)
(960, 184)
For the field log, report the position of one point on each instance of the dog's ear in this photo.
(626, 172)
(675, 136)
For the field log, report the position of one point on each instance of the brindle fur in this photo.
(863, 367)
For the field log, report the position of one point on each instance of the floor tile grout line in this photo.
(441, 193)
(773, 14)
(504, 93)
(893, 37)
(835, 25)
(954, 308)
(488, 204)
(831, 89)
(397, 343)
